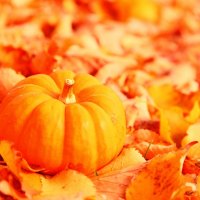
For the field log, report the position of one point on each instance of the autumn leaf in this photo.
(148, 143)
(194, 113)
(193, 134)
(8, 78)
(10, 185)
(194, 151)
(31, 185)
(158, 184)
(112, 180)
(112, 185)
(173, 125)
(30, 182)
(191, 163)
(129, 157)
(68, 184)
(165, 95)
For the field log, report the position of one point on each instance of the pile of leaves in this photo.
(148, 52)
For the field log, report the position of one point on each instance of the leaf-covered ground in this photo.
(148, 51)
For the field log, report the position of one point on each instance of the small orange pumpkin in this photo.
(63, 120)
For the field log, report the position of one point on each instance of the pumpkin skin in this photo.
(53, 135)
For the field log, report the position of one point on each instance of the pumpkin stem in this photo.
(67, 96)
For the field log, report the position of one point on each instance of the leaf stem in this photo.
(145, 155)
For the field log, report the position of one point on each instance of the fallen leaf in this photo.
(194, 152)
(148, 143)
(173, 125)
(30, 183)
(112, 185)
(20, 183)
(9, 78)
(194, 113)
(128, 157)
(68, 184)
(158, 184)
(193, 134)
(191, 166)
(165, 95)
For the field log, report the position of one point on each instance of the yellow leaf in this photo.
(194, 152)
(164, 95)
(10, 157)
(193, 134)
(145, 10)
(30, 182)
(9, 185)
(194, 113)
(128, 157)
(173, 125)
(159, 179)
(68, 184)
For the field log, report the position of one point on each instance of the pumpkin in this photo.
(63, 120)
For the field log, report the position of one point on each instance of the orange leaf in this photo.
(149, 143)
(161, 177)
(198, 185)
(191, 163)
